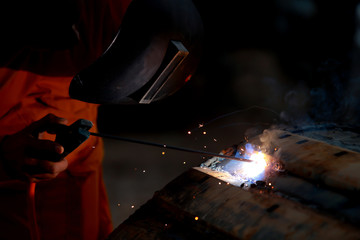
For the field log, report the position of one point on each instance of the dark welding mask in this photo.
(156, 51)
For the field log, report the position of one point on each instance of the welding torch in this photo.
(70, 137)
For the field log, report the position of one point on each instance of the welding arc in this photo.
(168, 147)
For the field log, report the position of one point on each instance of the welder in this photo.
(56, 67)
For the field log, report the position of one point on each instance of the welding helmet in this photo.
(154, 53)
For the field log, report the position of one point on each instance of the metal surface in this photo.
(154, 53)
(317, 161)
(198, 206)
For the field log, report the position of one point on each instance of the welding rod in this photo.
(168, 146)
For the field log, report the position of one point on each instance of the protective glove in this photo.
(24, 155)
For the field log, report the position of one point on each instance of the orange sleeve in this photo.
(35, 81)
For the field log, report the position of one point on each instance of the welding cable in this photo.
(34, 228)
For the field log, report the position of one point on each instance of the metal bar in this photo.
(168, 147)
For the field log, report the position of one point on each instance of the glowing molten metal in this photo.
(257, 167)
(249, 170)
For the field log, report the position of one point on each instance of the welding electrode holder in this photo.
(70, 137)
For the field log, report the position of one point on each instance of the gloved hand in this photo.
(24, 155)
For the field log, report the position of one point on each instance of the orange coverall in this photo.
(74, 205)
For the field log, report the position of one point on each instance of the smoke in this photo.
(326, 97)
(296, 106)
(325, 93)
(332, 96)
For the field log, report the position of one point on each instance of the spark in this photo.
(219, 183)
(93, 147)
(204, 132)
(132, 206)
(196, 218)
(201, 125)
(215, 140)
(189, 132)
(184, 163)
(118, 204)
(144, 171)
(205, 146)
(166, 225)
(163, 153)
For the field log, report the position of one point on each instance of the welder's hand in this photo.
(25, 155)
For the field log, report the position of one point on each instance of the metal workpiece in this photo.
(309, 190)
